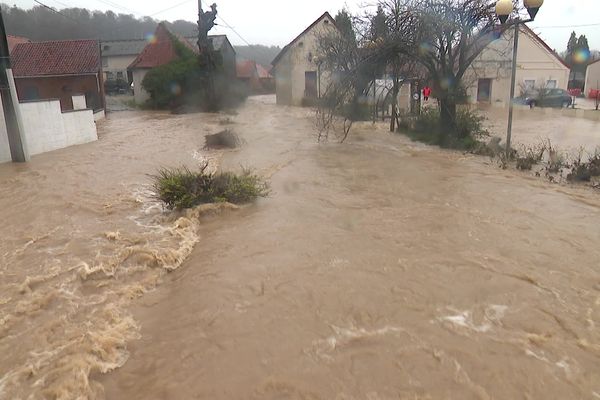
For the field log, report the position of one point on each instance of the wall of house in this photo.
(139, 94)
(534, 63)
(4, 145)
(62, 88)
(47, 128)
(112, 65)
(229, 60)
(283, 80)
(592, 80)
(299, 59)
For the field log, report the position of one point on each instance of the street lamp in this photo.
(504, 9)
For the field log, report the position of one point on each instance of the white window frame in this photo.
(529, 80)
(552, 80)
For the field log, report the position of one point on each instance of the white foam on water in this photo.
(493, 314)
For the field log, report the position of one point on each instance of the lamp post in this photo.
(504, 8)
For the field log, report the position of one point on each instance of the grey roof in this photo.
(218, 41)
(122, 47)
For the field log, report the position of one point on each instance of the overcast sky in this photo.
(277, 22)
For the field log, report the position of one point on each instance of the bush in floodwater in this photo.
(426, 127)
(529, 157)
(180, 188)
(584, 171)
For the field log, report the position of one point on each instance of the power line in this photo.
(62, 4)
(234, 31)
(170, 8)
(119, 7)
(58, 12)
(567, 26)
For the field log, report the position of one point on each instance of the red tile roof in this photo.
(160, 49)
(246, 69)
(63, 57)
(13, 41)
(263, 73)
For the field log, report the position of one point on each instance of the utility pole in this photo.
(206, 21)
(18, 148)
(513, 81)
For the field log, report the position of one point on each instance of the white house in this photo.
(488, 79)
(592, 78)
(297, 74)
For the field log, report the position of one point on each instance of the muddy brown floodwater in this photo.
(377, 269)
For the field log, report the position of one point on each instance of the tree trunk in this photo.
(395, 92)
(447, 117)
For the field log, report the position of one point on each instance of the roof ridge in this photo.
(286, 48)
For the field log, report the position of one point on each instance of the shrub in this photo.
(427, 128)
(585, 171)
(181, 84)
(180, 188)
(529, 157)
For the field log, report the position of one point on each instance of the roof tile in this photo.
(63, 57)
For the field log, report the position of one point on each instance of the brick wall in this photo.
(62, 88)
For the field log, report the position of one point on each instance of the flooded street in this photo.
(378, 269)
(534, 127)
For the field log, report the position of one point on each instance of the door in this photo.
(484, 90)
(310, 84)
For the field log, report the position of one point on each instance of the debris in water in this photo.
(224, 139)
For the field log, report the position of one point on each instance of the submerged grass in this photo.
(180, 188)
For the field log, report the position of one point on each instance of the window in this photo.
(551, 84)
(104, 62)
(109, 76)
(529, 84)
(120, 75)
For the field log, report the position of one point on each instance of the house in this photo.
(13, 41)
(255, 77)
(117, 56)
(222, 44)
(162, 50)
(45, 127)
(267, 80)
(538, 66)
(592, 80)
(59, 70)
(297, 75)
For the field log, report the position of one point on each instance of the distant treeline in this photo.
(259, 53)
(40, 23)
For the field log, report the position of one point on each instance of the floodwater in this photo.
(377, 269)
(568, 134)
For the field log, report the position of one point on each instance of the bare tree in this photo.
(452, 34)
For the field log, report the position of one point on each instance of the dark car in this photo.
(548, 98)
(118, 86)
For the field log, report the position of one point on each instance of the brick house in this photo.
(59, 70)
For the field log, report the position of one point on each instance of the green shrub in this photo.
(182, 83)
(427, 128)
(180, 188)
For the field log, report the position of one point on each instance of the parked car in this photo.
(548, 98)
(118, 86)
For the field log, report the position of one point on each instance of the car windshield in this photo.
(300, 200)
